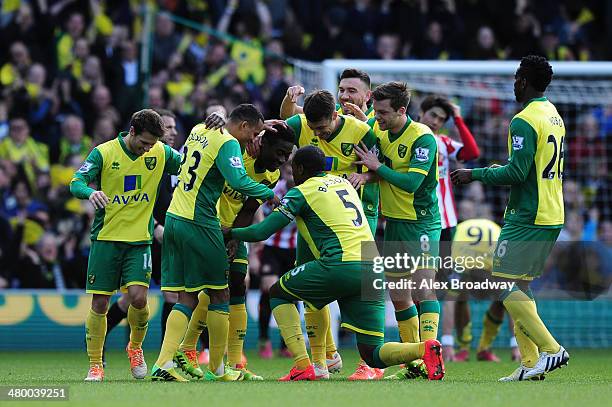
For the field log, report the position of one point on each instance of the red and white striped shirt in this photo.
(449, 149)
(286, 238)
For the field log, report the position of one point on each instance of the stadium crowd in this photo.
(71, 75)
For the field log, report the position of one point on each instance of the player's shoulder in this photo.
(108, 146)
(355, 123)
(420, 129)
(323, 182)
(201, 135)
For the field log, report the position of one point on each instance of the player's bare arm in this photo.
(289, 106)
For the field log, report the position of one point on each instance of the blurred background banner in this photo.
(47, 320)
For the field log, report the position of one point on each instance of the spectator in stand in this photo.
(73, 141)
(75, 27)
(104, 130)
(103, 107)
(166, 41)
(485, 46)
(14, 72)
(435, 45)
(19, 148)
(388, 46)
(38, 103)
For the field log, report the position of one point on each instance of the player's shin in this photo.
(197, 323)
(317, 325)
(138, 318)
(95, 332)
(522, 309)
(288, 321)
(491, 327)
(217, 321)
(175, 330)
(408, 324)
(429, 318)
(237, 330)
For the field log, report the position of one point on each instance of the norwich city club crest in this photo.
(347, 148)
(91, 278)
(401, 150)
(150, 162)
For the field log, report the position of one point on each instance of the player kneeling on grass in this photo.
(330, 216)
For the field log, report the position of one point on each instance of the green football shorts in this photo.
(318, 283)
(521, 251)
(114, 265)
(420, 240)
(193, 257)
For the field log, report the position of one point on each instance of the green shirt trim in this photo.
(395, 136)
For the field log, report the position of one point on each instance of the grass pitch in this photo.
(587, 381)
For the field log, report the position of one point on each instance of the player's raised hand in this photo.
(366, 157)
(456, 110)
(270, 123)
(356, 180)
(215, 121)
(294, 92)
(461, 176)
(254, 146)
(98, 199)
(354, 110)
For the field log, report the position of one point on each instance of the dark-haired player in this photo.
(328, 212)
(194, 256)
(354, 93)
(127, 171)
(235, 209)
(408, 181)
(534, 215)
(336, 135)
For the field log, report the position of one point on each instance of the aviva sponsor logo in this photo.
(126, 199)
(131, 183)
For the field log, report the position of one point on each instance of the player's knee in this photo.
(219, 296)
(402, 304)
(139, 301)
(170, 297)
(267, 282)
(99, 303)
(276, 291)
(237, 286)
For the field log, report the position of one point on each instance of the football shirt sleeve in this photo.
(292, 204)
(88, 173)
(295, 122)
(263, 230)
(229, 162)
(173, 160)
(523, 140)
